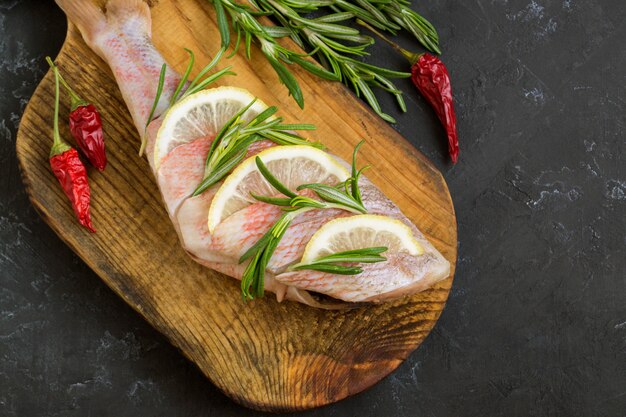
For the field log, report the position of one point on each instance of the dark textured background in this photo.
(536, 321)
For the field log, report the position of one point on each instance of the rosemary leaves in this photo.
(231, 143)
(337, 46)
(335, 263)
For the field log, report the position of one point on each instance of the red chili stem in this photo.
(410, 56)
(58, 146)
(76, 99)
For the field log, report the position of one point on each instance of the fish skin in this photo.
(191, 215)
(282, 291)
(122, 37)
(181, 171)
(240, 231)
(193, 230)
(400, 275)
(293, 243)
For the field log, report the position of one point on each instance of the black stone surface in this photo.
(536, 321)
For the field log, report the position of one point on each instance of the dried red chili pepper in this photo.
(69, 169)
(72, 176)
(86, 127)
(430, 76)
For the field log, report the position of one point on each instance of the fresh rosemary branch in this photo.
(401, 13)
(336, 46)
(231, 143)
(253, 278)
(244, 22)
(334, 263)
(197, 84)
(392, 15)
(343, 198)
(157, 97)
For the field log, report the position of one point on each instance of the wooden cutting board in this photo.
(265, 355)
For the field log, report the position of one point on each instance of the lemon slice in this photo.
(358, 232)
(202, 114)
(291, 165)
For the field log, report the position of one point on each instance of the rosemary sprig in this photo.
(232, 141)
(330, 197)
(197, 84)
(336, 46)
(252, 282)
(253, 278)
(392, 16)
(401, 13)
(334, 263)
(244, 22)
(157, 97)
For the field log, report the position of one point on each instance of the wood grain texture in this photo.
(265, 355)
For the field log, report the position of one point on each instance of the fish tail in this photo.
(125, 16)
(88, 18)
(135, 13)
(120, 33)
